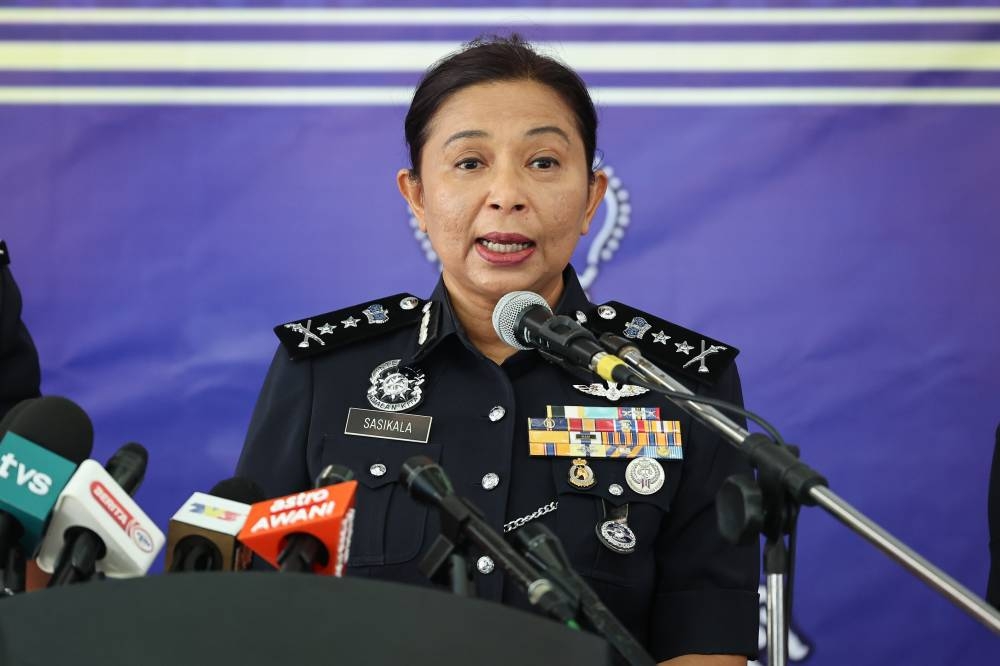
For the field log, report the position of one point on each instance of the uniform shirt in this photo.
(19, 372)
(683, 590)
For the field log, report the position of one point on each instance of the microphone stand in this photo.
(13, 574)
(447, 560)
(462, 523)
(786, 483)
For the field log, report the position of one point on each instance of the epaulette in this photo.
(332, 330)
(676, 349)
(4, 255)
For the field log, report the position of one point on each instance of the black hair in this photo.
(496, 58)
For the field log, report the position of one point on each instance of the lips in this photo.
(504, 248)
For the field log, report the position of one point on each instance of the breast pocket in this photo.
(388, 524)
(582, 511)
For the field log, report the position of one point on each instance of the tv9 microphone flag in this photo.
(202, 534)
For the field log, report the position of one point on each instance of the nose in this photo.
(506, 193)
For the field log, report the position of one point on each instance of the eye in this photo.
(469, 164)
(545, 163)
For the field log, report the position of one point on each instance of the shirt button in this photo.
(490, 481)
(497, 413)
(485, 564)
(615, 489)
(377, 470)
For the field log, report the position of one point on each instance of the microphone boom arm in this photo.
(805, 486)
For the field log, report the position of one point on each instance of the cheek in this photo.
(447, 216)
(568, 210)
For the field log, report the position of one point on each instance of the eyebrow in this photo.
(548, 129)
(535, 131)
(466, 134)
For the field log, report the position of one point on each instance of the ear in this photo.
(595, 195)
(413, 191)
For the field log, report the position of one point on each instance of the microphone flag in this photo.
(326, 513)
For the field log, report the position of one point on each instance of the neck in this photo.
(475, 312)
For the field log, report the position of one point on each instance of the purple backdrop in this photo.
(849, 249)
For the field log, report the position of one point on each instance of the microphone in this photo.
(44, 439)
(13, 413)
(524, 320)
(202, 534)
(308, 531)
(97, 527)
(303, 552)
(82, 546)
(542, 548)
(427, 483)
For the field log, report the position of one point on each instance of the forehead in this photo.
(501, 107)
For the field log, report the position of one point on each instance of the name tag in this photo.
(388, 425)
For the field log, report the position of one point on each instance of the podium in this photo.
(274, 619)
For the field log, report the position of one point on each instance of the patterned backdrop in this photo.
(815, 183)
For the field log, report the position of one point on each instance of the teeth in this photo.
(504, 247)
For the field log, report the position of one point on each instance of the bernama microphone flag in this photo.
(326, 513)
(93, 499)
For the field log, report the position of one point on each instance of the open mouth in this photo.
(503, 248)
(505, 243)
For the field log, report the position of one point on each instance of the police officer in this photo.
(501, 143)
(19, 372)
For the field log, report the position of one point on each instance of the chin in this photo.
(496, 285)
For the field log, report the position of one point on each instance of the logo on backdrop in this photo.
(597, 247)
(800, 648)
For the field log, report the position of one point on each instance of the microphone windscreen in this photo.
(508, 312)
(238, 489)
(12, 414)
(59, 425)
(128, 466)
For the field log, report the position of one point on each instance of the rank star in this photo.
(325, 329)
(661, 337)
(683, 347)
(350, 322)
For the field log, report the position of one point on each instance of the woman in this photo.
(502, 144)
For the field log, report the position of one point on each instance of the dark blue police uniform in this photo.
(19, 372)
(682, 590)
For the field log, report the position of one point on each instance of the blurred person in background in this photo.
(20, 375)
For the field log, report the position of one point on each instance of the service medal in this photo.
(645, 475)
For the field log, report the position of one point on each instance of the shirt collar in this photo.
(439, 321)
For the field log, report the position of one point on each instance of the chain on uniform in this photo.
(524, 520)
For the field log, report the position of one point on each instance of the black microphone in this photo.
(82, 547)
(13, 413)
(427, 483)
(42, 441)
(524, 320)
(303, 552)
(128, 466)
(543, 548)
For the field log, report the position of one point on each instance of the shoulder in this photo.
(323, 333)
(681, 351)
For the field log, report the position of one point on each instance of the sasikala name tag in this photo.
(388, 425)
